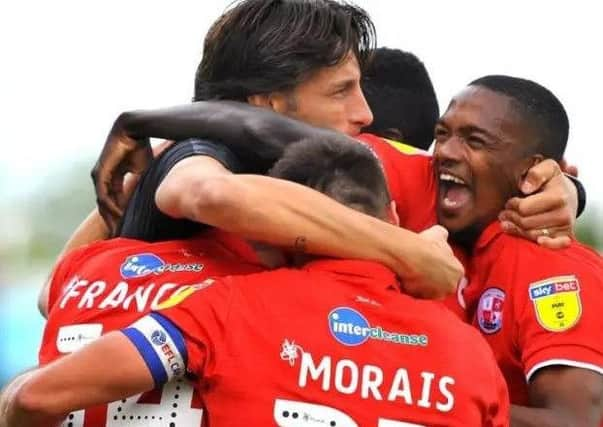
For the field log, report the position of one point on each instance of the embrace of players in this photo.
(291, 258)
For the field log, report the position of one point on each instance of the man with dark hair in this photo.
(333, 343)
(316, 79)
(533, 107)
(399, 91)
(538, 309)
(278, 44)
(346, 174)
(539, 108)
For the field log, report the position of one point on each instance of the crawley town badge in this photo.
(490, 310)
(557, 302)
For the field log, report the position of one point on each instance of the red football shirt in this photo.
(332, 344)
(536, 307)
(108, 285)
(411, 181)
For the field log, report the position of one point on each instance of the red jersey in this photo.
(411, 181)
(108, 285)
(333, 344)
(536, 307)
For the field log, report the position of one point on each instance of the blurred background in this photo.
(69, 68)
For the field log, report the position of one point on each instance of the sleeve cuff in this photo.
(572, 356)
(581, 194)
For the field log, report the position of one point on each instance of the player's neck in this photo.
(269, 256)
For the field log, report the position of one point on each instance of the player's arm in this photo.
(108, 369)
(290, 215)
(248, 130)
(548, 212)
(551, 201)
(562, 396)
(557, 319)
(201, 189)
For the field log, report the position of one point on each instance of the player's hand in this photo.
(437, 270)
(548, 214)
(120, 155)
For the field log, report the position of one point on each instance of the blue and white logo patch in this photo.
(140, 265)
(161, 345)
(349, 327)
(158, 337)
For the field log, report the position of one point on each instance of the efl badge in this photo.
(490, 310)
(557, 302)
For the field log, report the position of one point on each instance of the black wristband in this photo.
(581, 194)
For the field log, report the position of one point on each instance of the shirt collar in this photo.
(233, 243)
(371, 273)
(488, 235)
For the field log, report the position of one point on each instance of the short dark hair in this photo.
(262, 46)
(539, 108)
(399, 91)
(344, 170)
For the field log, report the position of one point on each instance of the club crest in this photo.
(490, 310)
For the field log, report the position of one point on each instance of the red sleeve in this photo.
(558, 303)
(201, 315)
(61, 273)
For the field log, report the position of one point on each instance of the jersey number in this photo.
(293, 413)
(168, 406)
(143, 410)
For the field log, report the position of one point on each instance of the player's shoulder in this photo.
(537, 271)
(529, 254)
(99, 246)
(387, 148)
(276, 276)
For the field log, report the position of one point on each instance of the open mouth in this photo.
(454, 192)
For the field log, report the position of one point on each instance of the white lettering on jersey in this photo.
(340, 373)
(115, 297)
(400, 379)
(308, 367)
(347, 377)
(427, 380)
(94, 290)
(89, 295)
(372, 378)
(449, 404)
(141, 294)
(72, 290)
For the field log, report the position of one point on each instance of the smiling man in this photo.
(539, 309)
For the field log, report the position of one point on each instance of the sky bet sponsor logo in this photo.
(142, 265)
(351, 328)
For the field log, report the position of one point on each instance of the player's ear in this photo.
(392, 213)
(276, 101)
